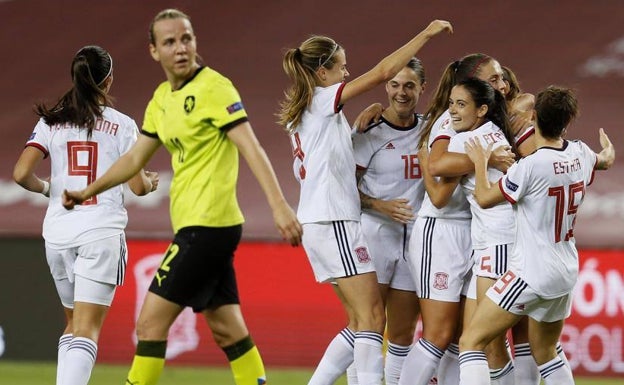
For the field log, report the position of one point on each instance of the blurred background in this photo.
(573, 43)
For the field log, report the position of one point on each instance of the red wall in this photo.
(292, 318)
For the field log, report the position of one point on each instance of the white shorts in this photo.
(336, 249)
(492, 261)
(90, 272)
(440, 258)
(513, 294)
(387, 243)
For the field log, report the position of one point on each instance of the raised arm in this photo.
(388, 67)
(127, 166)
(606, 157)
(285, 219)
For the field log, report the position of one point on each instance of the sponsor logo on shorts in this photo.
(440, 281)
(362, 255)
(520, 307)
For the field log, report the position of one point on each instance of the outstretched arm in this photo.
(127, 166)
(285, 219)
(393, 63)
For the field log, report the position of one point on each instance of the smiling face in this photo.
(338, 73)
(465, 114)
(404, 90)
(175, 49)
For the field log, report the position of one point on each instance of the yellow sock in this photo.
(148, 363)
(246, 363)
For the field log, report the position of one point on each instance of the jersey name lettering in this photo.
(567, 167)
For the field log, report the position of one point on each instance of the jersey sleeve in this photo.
(514, 184)
(40, 138)
(224, 105)
(457, 144)
(362, 149)
(590, 158)
(149, 120)
(131, 133)
(325, 101)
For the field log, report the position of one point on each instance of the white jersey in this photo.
(323, 161)
(495, 225)
(546, 189)
(77, 161)
(390, 156)
(457, 207)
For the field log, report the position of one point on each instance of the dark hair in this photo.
(81, 105)
(514, 84)
(555, 107)
(483, 93)
(416, 65)
(300, 64)
(467, 67)
(170, 13)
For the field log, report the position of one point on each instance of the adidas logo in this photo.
(389, 146)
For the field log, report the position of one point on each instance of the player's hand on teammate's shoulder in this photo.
(154, 179)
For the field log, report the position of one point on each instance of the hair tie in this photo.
(455, 65)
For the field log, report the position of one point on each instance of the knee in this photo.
(470, 341)
(149, 330)
(440, 337)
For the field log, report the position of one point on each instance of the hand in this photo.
(397, 209)
(476, 152)
(153, 178)
(606, 157)
(437, 26)
(287, 224)
(520, 121)
(72, 198)
(502, 158)
(372, 113)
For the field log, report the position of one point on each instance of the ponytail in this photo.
(81, 105)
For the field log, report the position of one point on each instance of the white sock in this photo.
(448, 369)
(395, 356)
(526, 372)
(504, 375)
(62, 351)
(473, 368)
(368, 357)
(337, 358)
(352, 375)
(555, 372)
(421, 363)
(562, 355)
(79, 361)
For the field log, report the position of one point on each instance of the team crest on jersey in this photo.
(510, 185)
(32, 136)
(362, 255)
(189, 104)
(440, 281)
(232, 108)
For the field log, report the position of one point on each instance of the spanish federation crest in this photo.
(362, 255)
(440, 281)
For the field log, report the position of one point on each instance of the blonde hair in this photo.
(301, 64)
(170, 13)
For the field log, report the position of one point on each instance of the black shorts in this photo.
(198, 270)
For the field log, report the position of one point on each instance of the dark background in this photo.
(574, 43)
